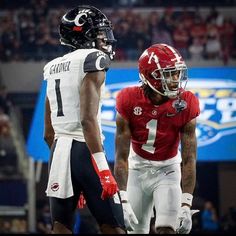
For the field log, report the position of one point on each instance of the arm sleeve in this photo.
(193, 108)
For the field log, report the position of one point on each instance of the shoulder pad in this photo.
(96, 61)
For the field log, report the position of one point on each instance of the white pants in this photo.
(155, 187)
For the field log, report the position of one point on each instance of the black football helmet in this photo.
(84, 26)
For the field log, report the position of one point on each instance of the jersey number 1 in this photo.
(152, 131)
(59, 100)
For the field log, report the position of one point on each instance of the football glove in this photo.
(108, 183)
(129, 216)
(107, 180)
(184, 222)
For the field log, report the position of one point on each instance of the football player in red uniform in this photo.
(152, 121)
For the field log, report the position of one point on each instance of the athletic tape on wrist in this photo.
(100, 160)
(187, 198)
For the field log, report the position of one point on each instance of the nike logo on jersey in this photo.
(170, 114)
(167, 173)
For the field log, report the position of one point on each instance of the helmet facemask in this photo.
(105, 41)
(172, 79)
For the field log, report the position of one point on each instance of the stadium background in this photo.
(29, 38)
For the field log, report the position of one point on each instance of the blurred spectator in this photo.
(13, 225)
(228, 221)
(8, 156)
(186, 18)
(46, 44)
(181, 40)
(213, 47)
(198, 203)
(123, 42)
(168, 21)
(19, 226)
(160, 35)
(44, 220)
(4, 124)
(28, 31)
(215, 17)
(198, 30)
(196, 49)
(5, 226)
(209, 218)
(227, 31)
(5, 102)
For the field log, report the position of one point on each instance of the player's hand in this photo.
(82, 201)
(129, 216)
(184, 224)
(108, 183)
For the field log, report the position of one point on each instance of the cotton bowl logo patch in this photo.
(179, 105)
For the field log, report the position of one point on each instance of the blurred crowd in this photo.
(30, 32)
(8, 158)
(207, 221)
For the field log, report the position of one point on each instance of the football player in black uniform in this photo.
(75, 86)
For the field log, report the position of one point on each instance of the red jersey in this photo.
(155, 129)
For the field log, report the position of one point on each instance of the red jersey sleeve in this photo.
(193, 107)
(123, 103)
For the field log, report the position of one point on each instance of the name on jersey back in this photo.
(60, 67)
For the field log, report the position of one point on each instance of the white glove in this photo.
(184, 224)
(129, 216)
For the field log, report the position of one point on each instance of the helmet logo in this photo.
(138, 111)
(177, 56)
(77, 18)
(153, 56)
